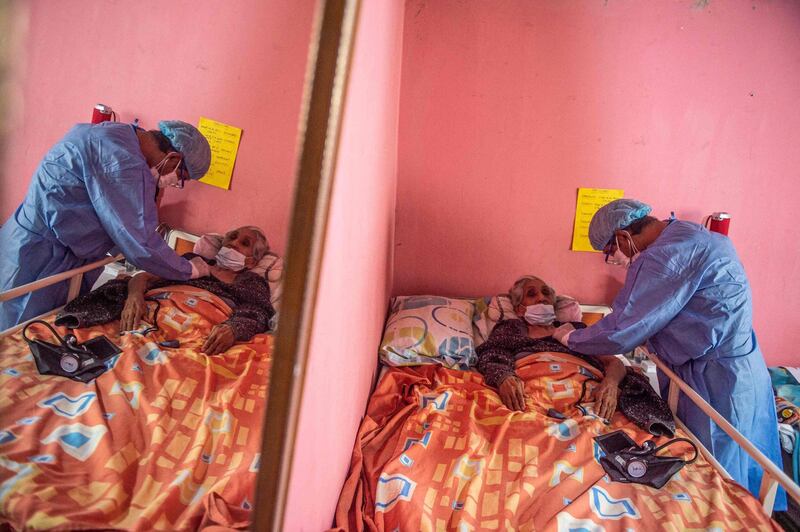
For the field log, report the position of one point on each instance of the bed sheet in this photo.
(437, 450)
(166, 439)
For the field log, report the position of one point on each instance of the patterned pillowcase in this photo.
(429, 330)
(488, 311)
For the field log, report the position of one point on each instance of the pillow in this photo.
(271, 267)
(568, 309)
(488, 311)
(429, 330)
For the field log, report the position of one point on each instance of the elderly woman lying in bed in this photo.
(533, 301)
(228, 277)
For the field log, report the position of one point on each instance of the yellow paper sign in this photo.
(589, 201)
(224, 142)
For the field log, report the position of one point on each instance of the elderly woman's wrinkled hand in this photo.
(605, 396)
(220, 340)
(134, 310)
(512, 393)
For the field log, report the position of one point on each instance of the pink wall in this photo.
(239, 62)
(508, 107)
(356, 272)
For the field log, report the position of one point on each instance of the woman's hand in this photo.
(134, 310)
(220, 340)
(226, 276)
(607, 392)
(605, 397)
(512, 393)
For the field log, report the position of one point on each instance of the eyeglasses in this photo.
(610, 248)
(183, 173)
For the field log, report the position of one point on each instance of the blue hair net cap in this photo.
(191, 143)
(612, 216)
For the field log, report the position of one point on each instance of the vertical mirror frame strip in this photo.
(330, 54)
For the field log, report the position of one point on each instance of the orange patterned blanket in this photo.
(167, 439)
(437, 450)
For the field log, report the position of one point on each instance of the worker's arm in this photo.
(125, 204)
(652, 296)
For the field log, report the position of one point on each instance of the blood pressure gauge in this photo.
(636, 468)
(70, 363)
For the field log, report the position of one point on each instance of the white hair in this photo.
(261, 246)
(516, 292)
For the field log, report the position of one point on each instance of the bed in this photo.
(437, 450)
(166, 439)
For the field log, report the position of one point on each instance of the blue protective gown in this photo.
(92, 193)
(688, 295)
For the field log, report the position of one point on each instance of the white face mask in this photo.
(168, 180)
(230, 258)
(621, 259)
(540, 314)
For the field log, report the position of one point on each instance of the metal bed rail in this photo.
(75, 277)
(773, 476)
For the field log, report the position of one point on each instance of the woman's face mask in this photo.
(230, 259)
(540, 314)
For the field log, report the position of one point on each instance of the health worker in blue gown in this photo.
(95, 192)
(687, 295)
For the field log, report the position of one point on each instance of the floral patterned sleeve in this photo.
(496, 356)
(251, 316)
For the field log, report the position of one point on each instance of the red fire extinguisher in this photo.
(103, 113)
(719, 222)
